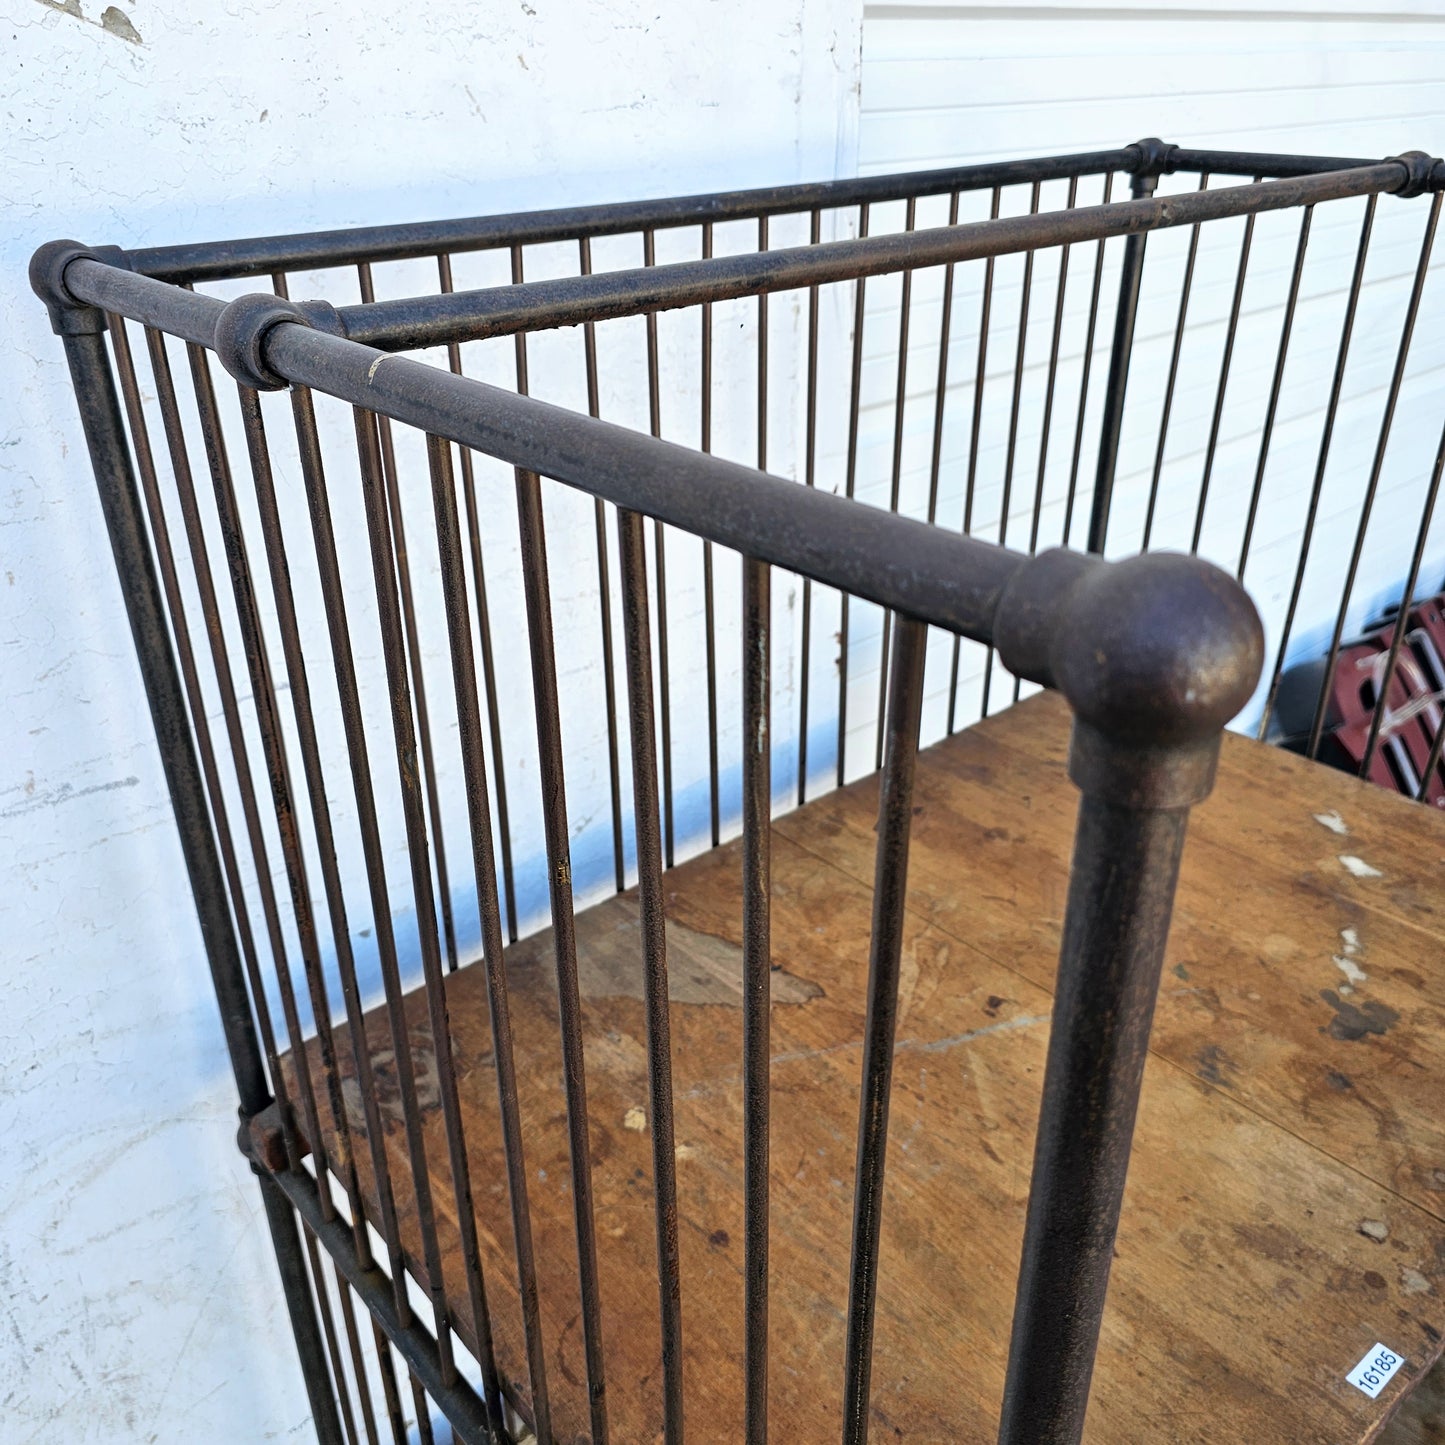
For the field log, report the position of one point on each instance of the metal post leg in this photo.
(1121, 893)
(82, 330)
(1155, 655)
(291, 1262)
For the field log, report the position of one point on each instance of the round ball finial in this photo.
(1161, 650)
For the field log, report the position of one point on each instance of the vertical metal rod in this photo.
(609, 691)
(1011, 451)
(1402, 618)
(980, 375)
(391, 1395)
(333, 596)
(1088, 365)
(484, 629)
(757, 985)
(659, 547)
(489, 683)
(427, 752)
(849, 483)
(1121, 892)
(1231, 331)
(422, 1406)
(269, 725)
(1347, 327)
(564, 933)
(1185, 286)
(195, 702)
(1053, 376)
(240, 760)
(810, 478)
(709, 611)
(1276, 383)
(940, 395)
(301, 1309)
(389, 617)
(1422, 270)
(414, 659)
(900, 404)
(604, 596)
(328, 1327)
(757, 939)
(895, 816)
(1130, 275)
(1020, 353)
(353, 1341)
(479, 815)
(762, 357)
(296, 675)
(637, 633)
(104, 429)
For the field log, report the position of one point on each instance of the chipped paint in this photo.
(113, 20)
(1358, 868)
(1332, 821)
(117, 22)
(1352, 971)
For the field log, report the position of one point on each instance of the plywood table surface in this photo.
(1285, 1201)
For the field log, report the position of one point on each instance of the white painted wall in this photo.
(139, 1298)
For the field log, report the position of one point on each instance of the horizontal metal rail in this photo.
(1258, 163)
(508, 310)
(929, 573)
(215, 260)
(505, 310)
(939, 577)
(172, 309)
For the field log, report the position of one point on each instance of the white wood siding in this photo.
(945, 83)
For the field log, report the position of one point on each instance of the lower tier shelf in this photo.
(1285, 1200)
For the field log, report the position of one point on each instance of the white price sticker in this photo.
(1375, 1371)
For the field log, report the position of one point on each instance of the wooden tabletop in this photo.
(1285, 1201)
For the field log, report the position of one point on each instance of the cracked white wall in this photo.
(138, 1295)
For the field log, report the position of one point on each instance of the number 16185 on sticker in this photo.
(1375, 1371)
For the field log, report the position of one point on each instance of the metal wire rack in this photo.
(438, 557)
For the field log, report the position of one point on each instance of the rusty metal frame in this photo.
(1154, 654)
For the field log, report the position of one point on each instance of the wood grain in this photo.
(1280, 1133)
